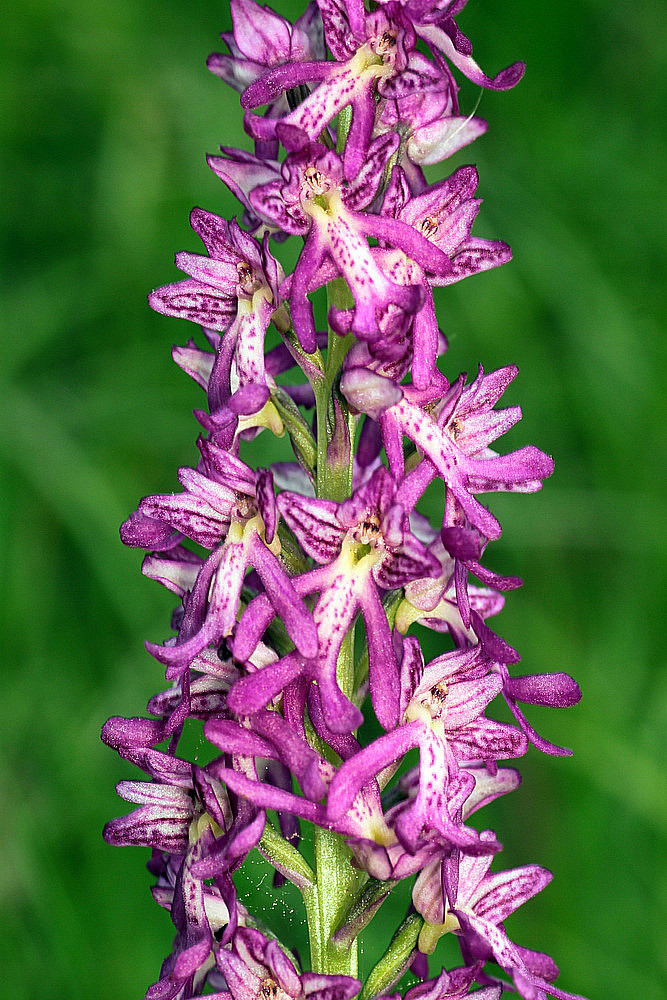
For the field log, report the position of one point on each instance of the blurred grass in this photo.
(107, 111)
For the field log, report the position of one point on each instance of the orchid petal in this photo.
(196, 302)
(364, 766)
(255, 691)
(383, 668)
(457, 49)
(557, 690)
(441, 138)
(314, 524)
(501, 894)
(288, 605)
(484, 739)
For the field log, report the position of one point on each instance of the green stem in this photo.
(336, 881)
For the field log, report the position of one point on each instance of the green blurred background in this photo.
(107, 111)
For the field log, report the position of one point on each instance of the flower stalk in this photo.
(280, 571)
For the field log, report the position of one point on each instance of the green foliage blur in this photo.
(107, 112)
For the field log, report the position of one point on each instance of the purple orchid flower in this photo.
(184, 895)
(442, 709)
(430, 125)
(262, 39)
(477, 904)
(370, 835)
(256, 967)
(387, 859)
(363, 822)
(449, 985)
(234, 291)
(367, 543)
(309, 199)
(181, 814)
(467, 791)
(454, 435)
(185, 970)
(444, 215)
(372, 52)
(269, 589)
(227, 503)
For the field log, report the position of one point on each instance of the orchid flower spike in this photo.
(317, 733)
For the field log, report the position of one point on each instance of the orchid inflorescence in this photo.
(305, 579)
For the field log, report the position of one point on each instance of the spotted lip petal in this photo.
(344, 590)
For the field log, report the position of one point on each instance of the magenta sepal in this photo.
(556, 690)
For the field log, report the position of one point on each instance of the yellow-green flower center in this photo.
(268, 989)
